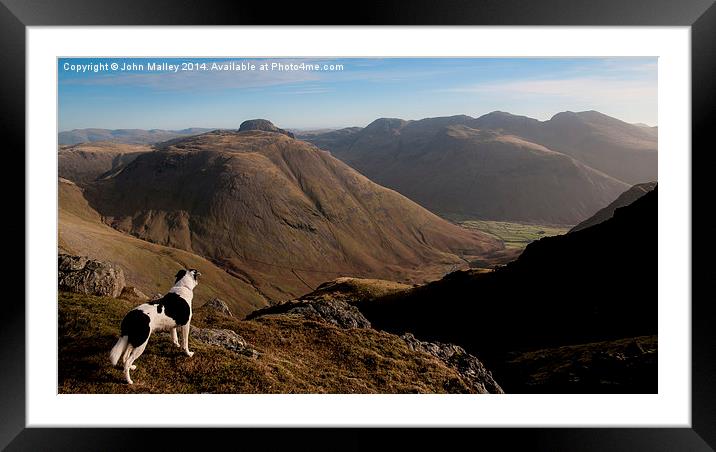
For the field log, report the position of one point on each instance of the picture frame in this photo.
(700, 15)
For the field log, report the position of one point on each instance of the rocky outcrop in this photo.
(264, 125)
(225, 338)
(133, 294)
(217, 306)
(472, 371)
(83, 275)
(336, 312)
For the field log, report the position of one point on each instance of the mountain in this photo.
(128, 136)
(147, 266)
(624, 151)
(452, 167)
(279, 212)
(626, 198)
(595, 284)
(85, 162)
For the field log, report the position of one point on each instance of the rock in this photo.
(471, 369)
(223, 338)
(263, 125)
(217, 306)
(132, 293)
(336, 312)
(83, 275)
(634, 349)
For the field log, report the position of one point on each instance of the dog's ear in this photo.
(180, 274)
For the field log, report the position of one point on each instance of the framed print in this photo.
(262, 219)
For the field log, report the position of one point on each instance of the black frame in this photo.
(15, 15)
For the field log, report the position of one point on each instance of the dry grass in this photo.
(296, 356)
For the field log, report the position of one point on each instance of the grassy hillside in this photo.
(83, 163)
(147, 266)
(295, 356)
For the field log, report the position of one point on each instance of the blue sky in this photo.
(365, 89)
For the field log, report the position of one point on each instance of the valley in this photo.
(514, 235)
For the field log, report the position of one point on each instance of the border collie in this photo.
(171, 312)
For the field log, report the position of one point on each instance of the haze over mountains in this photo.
(502, 166)
(127, 136)
(624, 151)
(279, 213)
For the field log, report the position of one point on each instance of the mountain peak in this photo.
(263, 125)
(587, 114)
(386, 124)
(497, 114)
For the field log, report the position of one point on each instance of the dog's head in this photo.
(189, 278)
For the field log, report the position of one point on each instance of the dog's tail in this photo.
(118, 349)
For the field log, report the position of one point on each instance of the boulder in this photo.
(336, 312)
(471, 369)
(223, 338)
(83, 275)
(215, 305)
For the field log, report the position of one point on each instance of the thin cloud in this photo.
(583, 89)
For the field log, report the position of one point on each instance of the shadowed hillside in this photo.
(280, 213)
(592, 285)
(626, 198)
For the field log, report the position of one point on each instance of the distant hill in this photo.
(128, 136)
(453, 167)
(626, 198)
(83, 163)
(280, 213)
(624, 151)
(595, 284)
(333, 140)
(147, 266)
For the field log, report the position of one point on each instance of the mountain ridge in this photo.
(126, 136)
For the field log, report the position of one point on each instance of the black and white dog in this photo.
(171, 312)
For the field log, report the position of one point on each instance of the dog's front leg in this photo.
(185, 339)
(175, 339)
